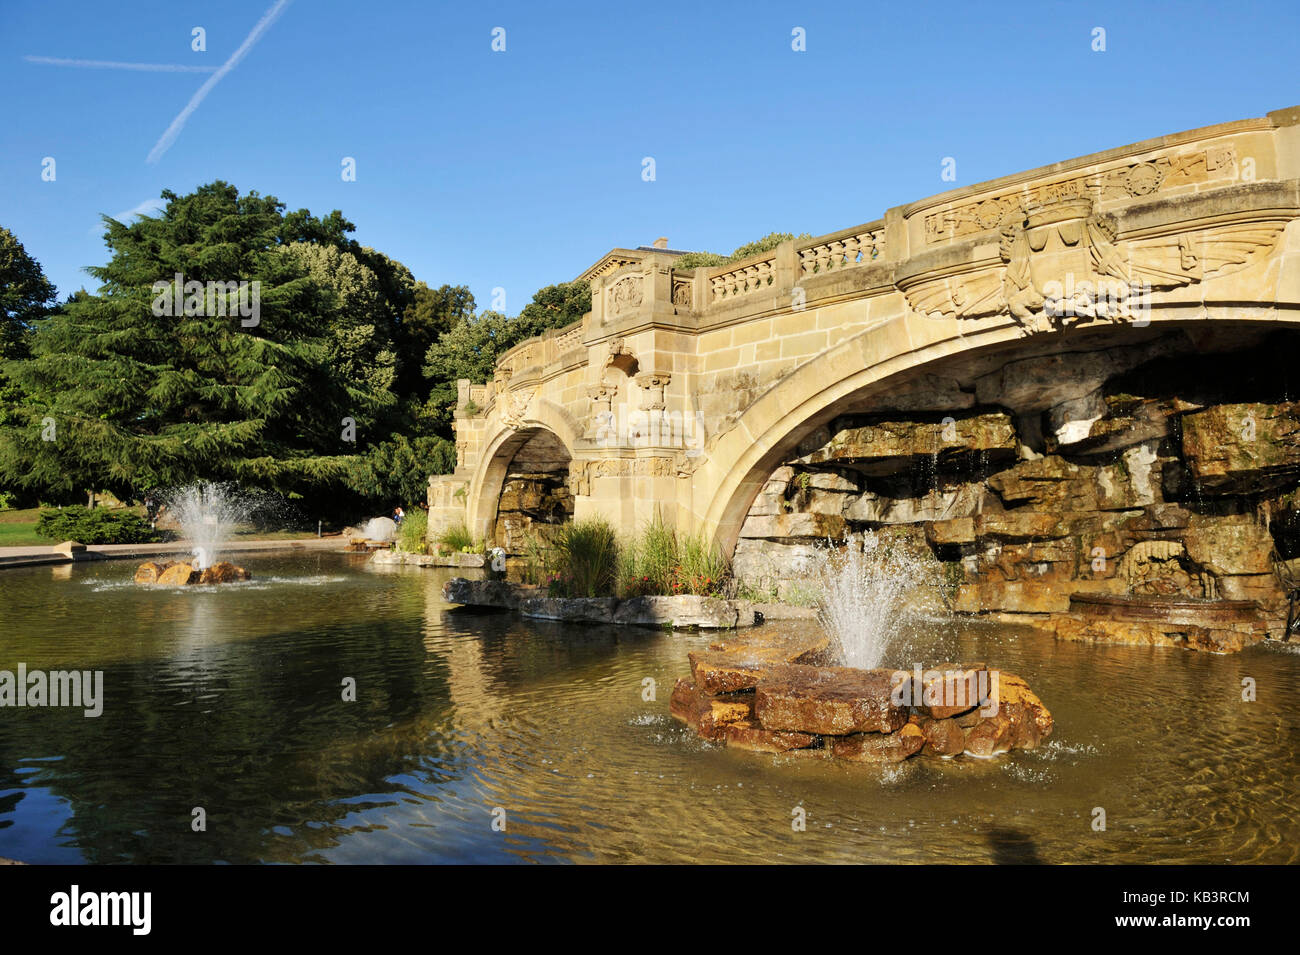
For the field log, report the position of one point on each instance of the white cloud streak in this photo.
(169, 136)
(114, 65)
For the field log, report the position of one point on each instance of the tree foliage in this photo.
(470, 348)
(694, 260)
(125, 399)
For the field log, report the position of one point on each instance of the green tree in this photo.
(694, 260)
(432, 313)
(470, 348)
(26, 295)
(124, 396)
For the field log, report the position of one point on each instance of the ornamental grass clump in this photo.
(411, 534)
(456, 539)
(658, 562)
(588, 557)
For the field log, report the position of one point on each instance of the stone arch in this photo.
(772, 428)
(500, 451)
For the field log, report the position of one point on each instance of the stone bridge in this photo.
(683, 391)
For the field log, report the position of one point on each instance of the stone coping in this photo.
(428, 560)
(57, 554)
(682, 612)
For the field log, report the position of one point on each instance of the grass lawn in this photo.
(18, 529)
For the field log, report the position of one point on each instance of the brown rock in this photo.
(943, 737)
(708, 715)
(744, 734)
(178, 574)
(718, 671)
(223, 572)
(992, 735)
(1020, 706)
(878, 747)
(1236, 545)
(811, 648)
(949, 689)
(832, 701)
(888, 447)
(1187, 636)
(1243, 448)
(150, 571)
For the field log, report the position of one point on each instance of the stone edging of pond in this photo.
(681, 612)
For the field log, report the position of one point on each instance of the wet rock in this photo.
(1054, 485)
(1243, 448)
(576, 609)
(1230, 545)
(946, 690)
(809, 648)
(685, 611)
(1030, 719)
(223, 572)
(150, 571)
(947, 533)
(1219, 626)
(990, 736)
(716, 671)
(738, 662)
(745, 734)
(485, 593)
(879, 747)
(1154, 633)
(943, 737)
(178, 575)
(889, 447)
(797, 524)
(832, 701)
(947, 502)
(708, 714)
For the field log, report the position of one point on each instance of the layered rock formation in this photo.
(774, 693)
(1155, 469)
(535, 491)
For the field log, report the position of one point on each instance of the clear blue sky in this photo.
(519, 169)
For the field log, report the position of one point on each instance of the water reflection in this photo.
(232, 699)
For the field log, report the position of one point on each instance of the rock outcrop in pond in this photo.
(776, 693)
(179, 573)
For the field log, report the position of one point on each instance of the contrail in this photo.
(169, 137)
(113, 65)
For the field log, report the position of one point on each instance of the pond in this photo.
(487, 738)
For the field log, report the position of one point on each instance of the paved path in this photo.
(28, 556)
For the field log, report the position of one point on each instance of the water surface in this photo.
(230, 699)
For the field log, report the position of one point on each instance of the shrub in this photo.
(588, 558)
(95, 526)
(411, 535)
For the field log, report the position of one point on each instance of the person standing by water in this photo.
(398, 515)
